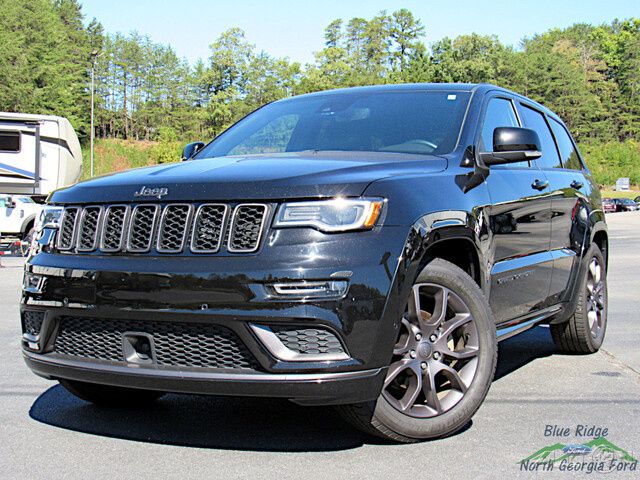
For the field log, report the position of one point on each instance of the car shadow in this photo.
(516, 352)
(241, 423)
(251, 424)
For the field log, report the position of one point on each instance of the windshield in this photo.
(404, 121)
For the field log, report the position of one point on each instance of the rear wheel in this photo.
(584, 331)
(108, 395)
(442, 364)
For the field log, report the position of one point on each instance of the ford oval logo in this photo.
(576, 449)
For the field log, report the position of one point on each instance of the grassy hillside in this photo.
(115, 155)
(607, 161)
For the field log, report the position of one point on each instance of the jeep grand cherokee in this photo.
(365, 248)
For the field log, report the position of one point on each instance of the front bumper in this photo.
(230, 292)
(304, 389)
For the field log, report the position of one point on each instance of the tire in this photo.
(395, 419)
(582, 333)
(110, 396)
(25, 245)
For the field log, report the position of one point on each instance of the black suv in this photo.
(365, 248)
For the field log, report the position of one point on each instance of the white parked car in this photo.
(18, 214)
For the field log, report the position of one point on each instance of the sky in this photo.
(294, 29)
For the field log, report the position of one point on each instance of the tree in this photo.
(405, 31)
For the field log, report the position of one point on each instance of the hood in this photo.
(255, 177)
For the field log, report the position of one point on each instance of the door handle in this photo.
(576, 185)
(539, 184)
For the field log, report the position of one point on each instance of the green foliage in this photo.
(168, 148)
(116, 155)
(44, 58)
(589, 75)
(612, 160)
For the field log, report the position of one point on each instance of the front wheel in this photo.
(443, 361)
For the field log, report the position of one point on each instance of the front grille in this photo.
(88, 229)
(113, 230)
(173, 228)
(208, 227)
(246, 227)
(143, 222)
(66, 235)
(32, 322)
(169, 228)
(176, 344)
(309, 340)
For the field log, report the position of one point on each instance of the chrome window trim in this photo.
(96, 234)
(185, 231)
(223, 228)
(134, 212)
(260, 232)
(74, 232)
(125, 229)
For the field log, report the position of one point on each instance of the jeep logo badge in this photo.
(155, 192)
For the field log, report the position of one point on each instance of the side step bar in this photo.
(513, 327)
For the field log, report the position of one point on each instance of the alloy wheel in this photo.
(436, 355)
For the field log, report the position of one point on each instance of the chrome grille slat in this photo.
(88, 228)
(141, 228)
(114, 228)
(208, 227)
(174, 226)
(67, 232)
(164, 229)
(246, 227)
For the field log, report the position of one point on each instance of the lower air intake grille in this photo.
(309, 340)
(176, 344)
(32, 322)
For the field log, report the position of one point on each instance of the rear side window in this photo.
(535, 120)
(568, 152)
(499, 113)
(9, 141)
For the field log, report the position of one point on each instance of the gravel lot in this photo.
(47, 433)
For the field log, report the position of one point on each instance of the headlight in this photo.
(49, 218)
(336, 215)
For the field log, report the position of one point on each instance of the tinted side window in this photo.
(499, 113)
(570, 158)
(535, 120)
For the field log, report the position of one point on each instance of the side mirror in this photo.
(10, 203)
(513, 144)
(191, 149)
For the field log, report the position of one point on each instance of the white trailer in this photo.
(38, 154)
